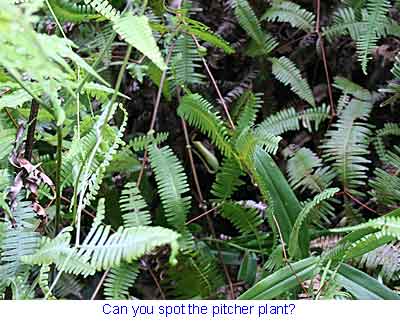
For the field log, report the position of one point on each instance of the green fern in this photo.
(104, 8)
(101, 250)
(377, 10)
(287, 11)
(199, 113)
(133, 207)
(389, 129)
(227, 180)
(137, 32)
(289, 119)
(185, 62)
(249, 22)
(172, 185)
(298, 227)
(18, 241)
(119, 280)
(287, 73)
(346, 145)
(141, 143)
(246, 220)
(306, 170)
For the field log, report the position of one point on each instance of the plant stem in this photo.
(57, 217)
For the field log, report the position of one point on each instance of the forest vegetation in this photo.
(226, 149)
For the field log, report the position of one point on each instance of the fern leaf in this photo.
(292, 13)
(119, 280)
(298, 227)
(289, 119)
(287, 73)
(141, 143)
(172, 185)
(246, 220)
(104, 8)
(249, 22)
(199, 113)
(227, 180)
(184, 62)
(347, 144)
(305, 170)
(251, 105)
(133, 207)
(137, 32)
(367, 42)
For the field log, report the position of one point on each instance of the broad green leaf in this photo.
(137, 32)
(282, 280)
(362, 286)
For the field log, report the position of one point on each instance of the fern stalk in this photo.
(78, 209)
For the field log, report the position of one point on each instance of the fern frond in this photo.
(227, 180)
(367, 42)
(389, 129)
(101, 250)
(140, 143)
(347, 145)
(133, 207)
(185, 62)
(292, 13)
(251, 105)
(286, 72)
(172, 185)
(294, 246)
(249, 22)
(104, 8)
(386, 184)
(246, 220)
(289, 119)
(137, 32)
(306, 170)
(119, 280)
(199, 113)
(44, 281)
(18, 241)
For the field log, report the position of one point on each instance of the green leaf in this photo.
(137, 32)
(276, 190)
(282, 280)
(287, 73)
(363, 286)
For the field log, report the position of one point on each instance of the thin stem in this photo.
(57, 217)
(324, 59)
(226, 109)
(99, 285)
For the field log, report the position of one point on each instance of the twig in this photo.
(200, 216)
(157, 283)
(323, 52)
(360, 203)
(98, 287)
(231, 124)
